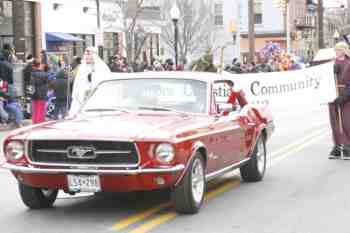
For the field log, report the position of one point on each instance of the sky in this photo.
(334, 3)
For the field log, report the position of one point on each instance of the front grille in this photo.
(106, 153)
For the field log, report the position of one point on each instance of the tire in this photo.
(37, 198)
(188, 197)
(254, 170)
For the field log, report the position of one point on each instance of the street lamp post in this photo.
(175, 15)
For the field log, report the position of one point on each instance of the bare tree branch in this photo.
(195, 26)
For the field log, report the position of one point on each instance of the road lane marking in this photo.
(285, 149)
(295, 150)
(140, 216)
(165, 217)
(278, 156)
(217, 189)
(155, 222)
(221, 189)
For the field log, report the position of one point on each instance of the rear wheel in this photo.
(254, 170)
(37, 198)
(188, 196)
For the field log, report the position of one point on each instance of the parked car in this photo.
(141, 131)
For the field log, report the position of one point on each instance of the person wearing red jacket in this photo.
(236, 96)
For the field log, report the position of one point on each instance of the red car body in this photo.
(226, 142)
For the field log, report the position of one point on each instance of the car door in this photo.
(228, 134)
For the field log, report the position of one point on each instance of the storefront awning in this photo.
(61, 37)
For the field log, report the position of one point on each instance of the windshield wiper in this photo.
(155, 108)
(160, 109)
(106, 110)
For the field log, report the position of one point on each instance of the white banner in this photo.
(283, 90)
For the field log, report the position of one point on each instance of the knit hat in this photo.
(344, 47)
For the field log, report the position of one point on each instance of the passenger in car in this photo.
(236, 97)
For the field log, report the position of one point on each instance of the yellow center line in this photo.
(155, 222)
(299, 142)
(221, 189)
(165, 217)
(162, 218)
(296, 149)
(139, 217)
(147, 213)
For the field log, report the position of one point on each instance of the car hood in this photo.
(125, 126)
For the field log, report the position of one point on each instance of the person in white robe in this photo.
(91, 72)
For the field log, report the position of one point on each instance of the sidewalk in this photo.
(10, 127)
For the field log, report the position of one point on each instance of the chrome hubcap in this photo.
(197, 181)
(260, 156)
(47, 192)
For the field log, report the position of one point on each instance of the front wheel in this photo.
(37, 198)
(188, 196)
(254, 170)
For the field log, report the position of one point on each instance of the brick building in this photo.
(19, 26)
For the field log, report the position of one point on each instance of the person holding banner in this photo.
(339, 110)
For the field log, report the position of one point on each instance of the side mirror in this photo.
(224, 108)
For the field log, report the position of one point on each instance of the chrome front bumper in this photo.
(34, 170)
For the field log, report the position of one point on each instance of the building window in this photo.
(80, 46)
(219, 15)
(6, 8)
(6, 18)
(258, 12)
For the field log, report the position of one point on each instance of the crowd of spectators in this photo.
(119, 64)
(48, 83)
(277, 63)
(45, 89)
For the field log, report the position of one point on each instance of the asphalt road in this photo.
(303, 192)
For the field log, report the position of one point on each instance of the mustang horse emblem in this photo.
(81, 152)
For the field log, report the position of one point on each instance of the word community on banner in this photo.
(280, 90)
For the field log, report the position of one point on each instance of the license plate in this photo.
(84, 183)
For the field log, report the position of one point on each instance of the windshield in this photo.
(149, 94)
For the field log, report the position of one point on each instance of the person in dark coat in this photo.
(341, 125)
(61, 92)
(6, 70)
(27, 71)
(4, 116)
(9, 53)
(264, 67)
(39, 81)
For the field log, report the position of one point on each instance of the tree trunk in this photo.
(251, 33)
(320, 24)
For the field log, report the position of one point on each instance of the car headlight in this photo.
(165, 152)
(14, 150)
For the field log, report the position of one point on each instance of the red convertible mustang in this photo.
(142, 131)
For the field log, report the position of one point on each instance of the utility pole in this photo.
(347, 12)
(99, 30)
(320, 24)
(284, 5)
(251, 32)
(239, 22)
(289, 43)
